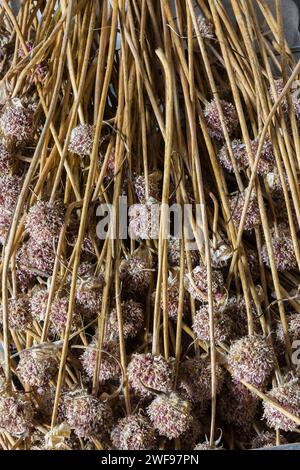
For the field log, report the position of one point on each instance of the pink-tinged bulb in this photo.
(266, 439)
(279, 85)
(173, 292)
(236, 405)
(196, 284)
(283, 253)
(148, 374)
(206, 28)
(16, 122)
(87, 246)
(110, 360)
(170, 415)
(86, 415)
(6, 159)
(21, 52)
(294, 95)
(206, 446)
(266, 161)
(251, 359)
(194, 380)
(5, 221)
(40, 70)
(44, 222)
(135, 275)
(88, 296)
(85, 273)
(10, 187)
(16, 415)
(25, 279)
(154, 187)
(59, 313)
(38, 302)
(213, 120)
(19, 316)
(293, 322)
(144, 220)
(223, 326)
(238, 150)
(37, 367)
(36, 259)
(135, 432)
(288, 396)
(236, 310)
(82, 138)
(274, 183)
(174, 253)
(133, 320)
(237, 203)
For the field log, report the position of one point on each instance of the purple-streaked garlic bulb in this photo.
(170, 415)
(196, 284)
(44, 222)
(206, 27)
(10, 187)
(59, 314)
(135, 432)
(88, 296)
(34, 259)
(16, 415)
(194, 380)
(38, 302)
(19, 315)
(133, 320)
(154, 187)
(237, 203)
(81, 140)
(86, 415)
(223, 326)
(251, 359)
(213, 120)
(144, 220)
(288, 396)
(148, 374)
(110, 360)
(174, 253)
(6, 159)
(135, 275)
(283, 252)
(238, 150)
(16, 122)
(293, 321)
(36, 367)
